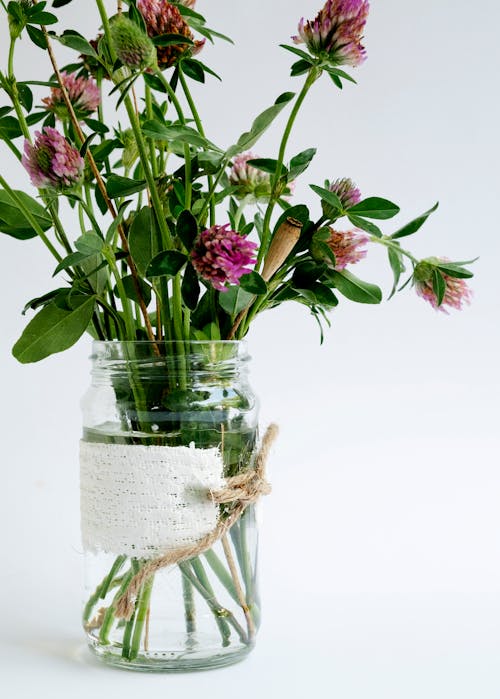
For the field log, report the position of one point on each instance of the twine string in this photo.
(242, 490)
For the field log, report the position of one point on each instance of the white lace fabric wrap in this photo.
(142, 501)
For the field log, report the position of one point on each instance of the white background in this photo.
(380, 549)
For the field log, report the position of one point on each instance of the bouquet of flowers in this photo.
(182, 243)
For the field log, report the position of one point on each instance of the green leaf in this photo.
(365, 225)
(260, 125)
(193, 69)
(89, 243)
(118, 186)
(264, 164)
(60, 3)
(297, 52)
(306, 274)
(166, 263)
(187, 229)
(190, 287)
(77, 42)
(97, 126)
(438, 286)
(25, 96)
(375, 207)
(397, 266)
(300, 68)
(185, 134)
(130, 291)
(9, 128)
(330, 197)
(13, 221)
(299, 163)
(253, 283)
(320, 294)
(336, 72)
(235, 300)
(154, 83)
(141, 240)
(72, 260)
(455, 270)
(355, 289)
(54, 330)
(171, 40)
(37, 37)
(43, 18)
(414, 225)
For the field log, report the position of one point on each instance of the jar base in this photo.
(171, 661)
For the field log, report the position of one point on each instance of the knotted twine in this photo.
(242, 490)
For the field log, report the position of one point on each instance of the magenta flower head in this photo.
(52, 162)
(456, 291)
(187, 3)
(347, 247)
(336, 33)
(82, 92)
(162, 17)
(221, 256)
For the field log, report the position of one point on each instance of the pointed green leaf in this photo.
(355, 289)
(438, 286)
(166, 264)
(235, 300)
(375, 207)
(414, 225)
(141, 239)
(117, 186)
(187, 229)
(260, 125)
(54, 330)
(253, 283)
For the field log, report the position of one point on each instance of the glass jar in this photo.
(164, 424)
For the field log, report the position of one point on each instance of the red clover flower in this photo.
(456, 294)
(221, 256)
(52, 162)
(346, 247)
(162, 17)
(83, 93)
(335, 34)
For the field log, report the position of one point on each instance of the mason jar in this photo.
(164, 425)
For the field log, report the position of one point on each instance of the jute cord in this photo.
(242, 490)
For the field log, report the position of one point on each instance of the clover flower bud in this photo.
(133, 47)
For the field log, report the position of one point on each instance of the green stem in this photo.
(115, 568)
(141, 616)
(200, 573)
(220, 571)
(153, 191)
(389, 243)
(127, 309)
(187, 153)
(109, 617)
(199, 126)
(312, 76)
(189, 606)
(211, 601)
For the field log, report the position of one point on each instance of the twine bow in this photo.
(242, 490)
